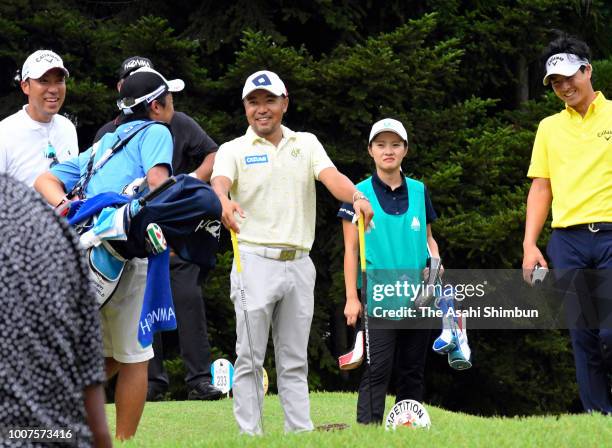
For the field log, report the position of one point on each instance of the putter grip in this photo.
(425, 297)
(361, 227)
(159, 190)
(236, 251)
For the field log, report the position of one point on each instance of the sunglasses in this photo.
(126, 104)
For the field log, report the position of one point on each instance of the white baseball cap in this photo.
(565, 64)
(40, 62)
(265, 80)
(174, 85)
(388, 125)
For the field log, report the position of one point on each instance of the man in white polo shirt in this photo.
(270, 174)
(37, 137)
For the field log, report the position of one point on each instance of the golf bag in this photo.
(116, 228)
(189, 215)
(453, 339)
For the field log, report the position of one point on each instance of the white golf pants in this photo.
(278, 294)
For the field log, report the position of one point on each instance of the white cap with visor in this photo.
(565, 64)
(265, 80)
(388, 125)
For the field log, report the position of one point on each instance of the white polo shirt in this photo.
(24, 143)
(275, 186)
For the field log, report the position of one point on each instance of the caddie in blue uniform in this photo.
(396, 250)
(571, 168)
(144, 96)
(270, 173)
(194, 153)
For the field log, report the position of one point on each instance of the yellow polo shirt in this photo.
(575, 153)
(275, 186)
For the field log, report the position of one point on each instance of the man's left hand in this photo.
(363, 207)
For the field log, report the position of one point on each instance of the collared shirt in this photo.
(26, 145)
(150, 147)
(393, 202)
(575, 153)
(191, 143)
(274, 185)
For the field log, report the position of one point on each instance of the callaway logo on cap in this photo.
(565, 64)
(265, 80)
(40, 62)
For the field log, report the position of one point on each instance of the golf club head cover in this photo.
(354, 357)
(460, 358)
(445, 342)
(109, 225)
(104, 272)
(155, 240)
(68, 207)
(135, 207)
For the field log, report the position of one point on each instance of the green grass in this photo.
(198, 424)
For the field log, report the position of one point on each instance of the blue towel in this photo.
(157, 312)
(82, 210)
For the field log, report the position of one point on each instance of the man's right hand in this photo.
(227, 216)
(532, 257)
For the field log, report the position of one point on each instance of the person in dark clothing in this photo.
(51, 359)
(194, 153)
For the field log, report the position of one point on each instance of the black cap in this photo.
(133, 63)
(143, 85)
(139, 85)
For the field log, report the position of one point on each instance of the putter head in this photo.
(354, 358)
(426, 297)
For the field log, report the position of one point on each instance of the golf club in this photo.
(427, 295)
(364, 299)
(256, 380)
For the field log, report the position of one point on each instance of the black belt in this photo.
(593, 227)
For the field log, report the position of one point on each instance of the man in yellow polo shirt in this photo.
(270, 174)
(571, 168)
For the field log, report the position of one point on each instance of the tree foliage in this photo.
(454, 72)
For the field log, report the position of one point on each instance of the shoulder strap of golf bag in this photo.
(79, 189)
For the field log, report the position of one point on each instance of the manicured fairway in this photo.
(203, 424)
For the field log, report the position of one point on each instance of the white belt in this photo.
(275, 253)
